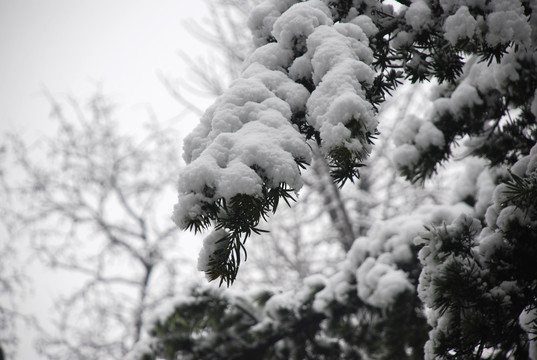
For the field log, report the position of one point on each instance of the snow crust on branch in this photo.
(263, 17)
(497, 22)
(340, 62)
(374, 263)
(460, 26)
(249, 125)
(253, 139)
(295, 25)
(418, 15)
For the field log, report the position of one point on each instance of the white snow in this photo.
(379, 284)
(402, 40)
(373, 259)
(249, 126)
(460, 26)
(246, 140)
(366, 24)
(429, 135)
(489, 241)
(418, 15)
(405, 155)
(450, 6)
(506, 26)
(413, 136)
(340, 64)
(294, 26)
(262, 18)
(211, 243)
(405, 130)
(277, 303)
(272, 55)
(465, 95)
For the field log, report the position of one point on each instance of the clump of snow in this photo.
(402, 40)
(413, 136)
(460, 26)
(405, 155)
(450, 6)
(490, 242)
(212, 243)
(336, 289)
(532, 163)
(405, 131)
(263, 17)
(521, 166)
(278, 303)
(507, 26)
(247, 130)
(379, 284)
(429, 135)
(465, 180)
(472, 181)
(315, 280)
(509, 216)
(373, 261)
(272, 55)
(329, 46)
(418, 15)
(340, 58)
(366, 24)
(465, 95)
(294, 26)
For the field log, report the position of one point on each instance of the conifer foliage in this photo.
(317, 78)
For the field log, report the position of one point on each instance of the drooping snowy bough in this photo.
(308, 79)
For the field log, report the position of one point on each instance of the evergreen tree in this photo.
(454, 280)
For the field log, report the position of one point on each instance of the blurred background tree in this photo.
(90, 201)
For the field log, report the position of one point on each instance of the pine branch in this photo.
(522, 191)
(239, 218)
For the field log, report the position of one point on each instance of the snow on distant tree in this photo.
(450, 280)
(89, 203)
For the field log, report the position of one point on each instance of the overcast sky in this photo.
(70, 47)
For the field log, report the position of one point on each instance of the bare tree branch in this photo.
(87, 199)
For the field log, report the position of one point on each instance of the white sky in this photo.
(71, 46)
